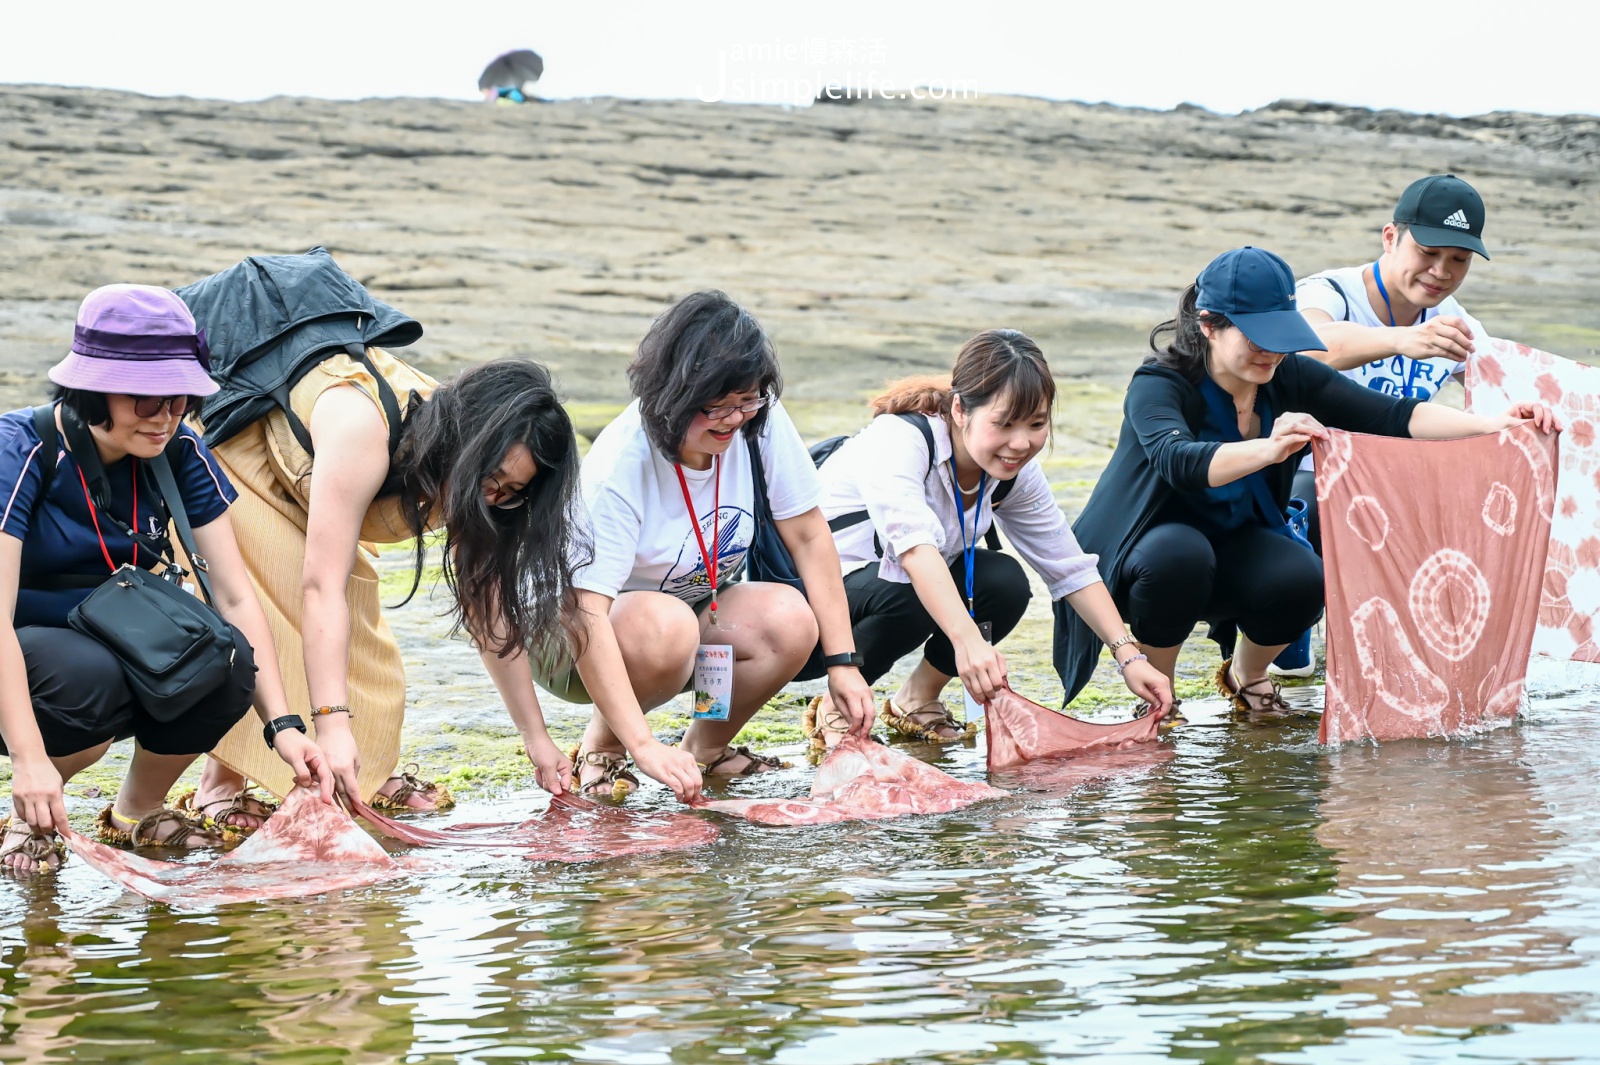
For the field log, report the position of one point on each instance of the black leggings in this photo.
(890, 621)
(1267, 584)
(81, 701)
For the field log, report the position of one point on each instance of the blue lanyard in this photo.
(1416, 365)
(1377, 275)
(969, 551)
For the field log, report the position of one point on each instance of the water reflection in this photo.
(1238, 896)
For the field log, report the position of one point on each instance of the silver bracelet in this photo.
(1131, 660)
(1127, 638)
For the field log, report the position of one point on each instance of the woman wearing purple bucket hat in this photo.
(136, 365)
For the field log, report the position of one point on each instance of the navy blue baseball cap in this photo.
(1255, 289)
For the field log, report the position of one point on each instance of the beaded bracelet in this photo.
(1131, 660)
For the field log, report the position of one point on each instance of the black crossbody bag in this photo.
(176, 650)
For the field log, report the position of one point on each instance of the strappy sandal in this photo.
(146, 832)
(34, 845)
(241, 804)
(1173, 719)
(901, 723)
(756, 764)
(1259, 703)
(616, 773)
(411, 784)
(817, 731)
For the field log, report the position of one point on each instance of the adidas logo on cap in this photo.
(1458, 220)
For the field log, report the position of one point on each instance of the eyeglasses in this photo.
(722, 414)
(503, 498)
(151, 406)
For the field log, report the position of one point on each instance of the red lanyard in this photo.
(94, 516)
(710, 560)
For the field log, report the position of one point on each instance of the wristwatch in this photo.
(271, 729)
(844, 658)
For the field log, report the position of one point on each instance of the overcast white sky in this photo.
(1463, 57)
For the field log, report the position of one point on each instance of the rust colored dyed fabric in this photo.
(1020, 730)
(573, 829)
(1433, 551)
(306, 848)
(863, 781)
(1502, 373)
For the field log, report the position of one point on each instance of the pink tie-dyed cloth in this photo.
(1020, 730)
(862, 781)
(572, 829)
(1502, 373)
(1433, 551)
(309, 848)
(306, 848)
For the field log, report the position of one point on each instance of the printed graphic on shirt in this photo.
(687, 577)
(1404, 378)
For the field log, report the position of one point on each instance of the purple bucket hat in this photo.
(138, 340)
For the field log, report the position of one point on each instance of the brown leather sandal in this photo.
(757, 763)
(1259, 703)
(903, 723)
(616, 774)
(32, 845)
(241, 804)
(411, 784)
(146, 832)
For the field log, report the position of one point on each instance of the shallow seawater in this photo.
(1238, 896)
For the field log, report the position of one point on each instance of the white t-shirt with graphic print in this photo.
(1395, 375)
(643, 539)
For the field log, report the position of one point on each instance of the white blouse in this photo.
(884, 470)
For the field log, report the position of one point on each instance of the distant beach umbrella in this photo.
(512, 70)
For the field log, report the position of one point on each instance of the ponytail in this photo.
(993, 364)
(1188, 349)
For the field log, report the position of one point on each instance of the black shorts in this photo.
(80, 700)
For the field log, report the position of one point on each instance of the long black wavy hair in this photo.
(514, 566)
(1188, 351)
(702, 348)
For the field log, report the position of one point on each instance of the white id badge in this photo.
(713, 681)
(975, 708)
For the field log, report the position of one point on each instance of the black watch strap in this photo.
(271, 729)
(844, 658)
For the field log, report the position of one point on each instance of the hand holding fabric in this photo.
(1148, 683)
(1543, 418)
(981, 666)
(1445, 337)
(36, 794)
(306, 761)
(1292, 431)
(552, 770)
(341, 756)
(672, 766)
(852, 697)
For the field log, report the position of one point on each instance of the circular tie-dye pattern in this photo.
(1500, 509)
(1450, 600)
(1369, 521)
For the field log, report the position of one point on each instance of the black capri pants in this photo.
(80, 700)
(1267, 584)
(890, 621)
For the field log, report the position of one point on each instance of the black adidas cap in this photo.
(1443, 212)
